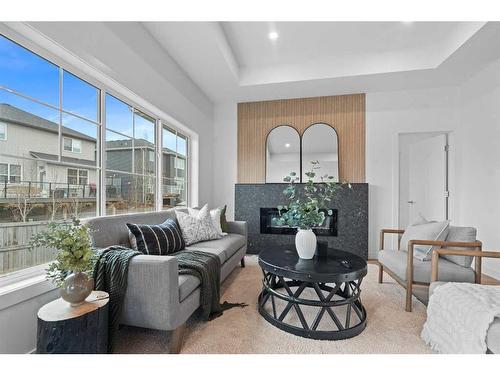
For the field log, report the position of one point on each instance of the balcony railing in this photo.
(42, 190)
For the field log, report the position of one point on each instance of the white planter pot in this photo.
(305, 242)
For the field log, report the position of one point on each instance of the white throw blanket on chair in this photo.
(459, 316)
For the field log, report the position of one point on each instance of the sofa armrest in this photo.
(152, 296)
(238, 227)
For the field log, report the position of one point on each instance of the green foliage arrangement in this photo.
(303, 209)
(72, 241)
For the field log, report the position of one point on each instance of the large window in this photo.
(44, 138)
(174, 168)
(130, 170)
(51, 126)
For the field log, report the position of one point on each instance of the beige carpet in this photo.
(389, 328)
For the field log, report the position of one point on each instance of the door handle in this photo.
(411, 202)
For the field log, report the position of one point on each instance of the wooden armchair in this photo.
(401, 267)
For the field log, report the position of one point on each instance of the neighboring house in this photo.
(29, 155)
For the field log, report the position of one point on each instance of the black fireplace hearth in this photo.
(349, 232)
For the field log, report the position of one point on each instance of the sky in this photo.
(31, 75)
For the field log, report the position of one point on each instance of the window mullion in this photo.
(59, 154)
(159, 165)
(101, 191)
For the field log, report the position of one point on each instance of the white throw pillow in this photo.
(434, 231)
(197, 229)
(214, 214)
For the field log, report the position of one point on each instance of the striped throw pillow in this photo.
(157, 239)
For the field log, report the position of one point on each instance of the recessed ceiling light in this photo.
(287, 145)
(273, 35)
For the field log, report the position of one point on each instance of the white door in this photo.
(424, 166)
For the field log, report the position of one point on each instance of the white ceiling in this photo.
(236, 61)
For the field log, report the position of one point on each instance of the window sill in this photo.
(23, 290)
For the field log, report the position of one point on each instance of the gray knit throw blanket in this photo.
(206, 267)
(110, 275)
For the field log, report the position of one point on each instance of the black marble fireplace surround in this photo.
(351, 207)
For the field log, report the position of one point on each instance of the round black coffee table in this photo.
(327, 287)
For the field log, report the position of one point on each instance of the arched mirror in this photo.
(282, 153)
(320, 142)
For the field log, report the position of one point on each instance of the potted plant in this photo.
(73, 264)
(303, 210)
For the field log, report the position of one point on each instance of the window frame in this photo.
(6, 175)
(4, 125)
(9, 174)
(20, 175)
(73, 140)
(105, 85)
(77, 176)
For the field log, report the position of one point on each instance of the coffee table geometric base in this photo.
(330, 300)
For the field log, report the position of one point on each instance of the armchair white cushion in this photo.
(460, 234)
(433, 231)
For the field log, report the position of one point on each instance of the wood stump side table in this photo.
(83, 329)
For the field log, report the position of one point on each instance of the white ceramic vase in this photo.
(305, 242)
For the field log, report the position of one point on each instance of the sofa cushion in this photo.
(112, 230)
(396, 260)
(493, 335)
(461, 234)
(434, 231)
(187, 284)
(156, 239)
(229, 244)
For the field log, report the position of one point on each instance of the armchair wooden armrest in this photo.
(391, 231)
(478, 254)
(409, 260)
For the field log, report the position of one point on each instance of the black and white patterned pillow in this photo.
(197, 228)
(157, 239)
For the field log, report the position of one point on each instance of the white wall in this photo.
(387, 115)
(225, 156)
(479, 172)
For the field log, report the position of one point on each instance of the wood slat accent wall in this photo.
(345, 113)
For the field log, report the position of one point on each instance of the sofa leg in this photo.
(242, 262)
(176, 339)
(380, 273)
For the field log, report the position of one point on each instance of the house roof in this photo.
(64, 159)
(15, 115)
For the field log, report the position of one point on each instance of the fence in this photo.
(15, 253)
(38, 189)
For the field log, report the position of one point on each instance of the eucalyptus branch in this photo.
(73, 245)
(303, 209)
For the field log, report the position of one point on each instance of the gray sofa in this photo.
(157, 297)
